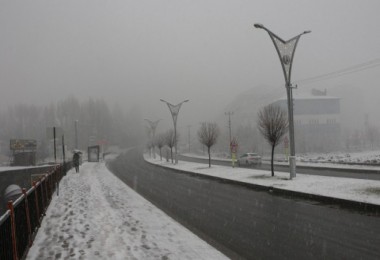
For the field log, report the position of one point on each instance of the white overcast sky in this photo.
(204, 50)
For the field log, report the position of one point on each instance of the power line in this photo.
(338, 73)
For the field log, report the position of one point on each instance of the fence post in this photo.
(51, 183)
(64, 168)
(28, 216)
(13, 227)
(48, 185)
(46, 192)
(58, 178)
(42, 196)
(37, 207)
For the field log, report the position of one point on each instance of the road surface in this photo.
(249, 224)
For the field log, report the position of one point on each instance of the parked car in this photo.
(249, 159)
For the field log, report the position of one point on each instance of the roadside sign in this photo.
(23, 144)
(234, 145)
(286, 142)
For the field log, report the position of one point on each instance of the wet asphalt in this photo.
(245, 223)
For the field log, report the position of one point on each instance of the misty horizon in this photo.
(135, 53)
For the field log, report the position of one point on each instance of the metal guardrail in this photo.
(20, 223)
(6, 248)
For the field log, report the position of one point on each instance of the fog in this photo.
(136, 52)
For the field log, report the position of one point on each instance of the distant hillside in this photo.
(246, 105)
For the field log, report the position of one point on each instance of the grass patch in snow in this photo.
(373, 190)
(261, 176)
(266, 176)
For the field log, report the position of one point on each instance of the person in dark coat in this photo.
(76, 161)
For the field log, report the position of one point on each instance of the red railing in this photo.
(20, 223)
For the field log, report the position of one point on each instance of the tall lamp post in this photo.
(229, 114)
(174, 110)
(188, 135)
(153, 126)
(76, 134)
(285, 51)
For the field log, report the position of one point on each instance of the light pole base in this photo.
(292, 166)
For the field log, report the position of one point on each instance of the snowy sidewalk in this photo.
(357, 190)
(97, 216)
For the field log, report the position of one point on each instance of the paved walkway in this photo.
(96, 216)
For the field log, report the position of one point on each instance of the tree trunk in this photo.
(271, 161)
(171, 153)
(160, 154)
(209, 157)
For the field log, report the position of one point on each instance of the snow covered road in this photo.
(96, 216)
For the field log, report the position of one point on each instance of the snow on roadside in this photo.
(359, 190)
(97, 216)
(369, 157)
(307, 161)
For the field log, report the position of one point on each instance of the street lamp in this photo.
(285, 51)
(229, 114)
(174, 110)
(76, 134)
(153, 126)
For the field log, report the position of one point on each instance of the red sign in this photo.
(286, 142)
(234, 146)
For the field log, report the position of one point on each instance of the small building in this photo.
(316, 121)
(93, 153)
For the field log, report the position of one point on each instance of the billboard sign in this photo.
(23, 144)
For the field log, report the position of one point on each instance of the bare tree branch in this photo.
(170, 142)
(207, 135)
(160, 142)
(273, 125)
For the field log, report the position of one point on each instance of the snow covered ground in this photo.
(367, 191)
(363, 160)
(97, 216)
(364, 157)
(369, 157)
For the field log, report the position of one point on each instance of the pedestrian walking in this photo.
(76, 158)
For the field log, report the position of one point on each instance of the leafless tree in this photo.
(372, 135)
(208, 134)
(149, 147)
(273, 125)
(170, 142)
(160, 142)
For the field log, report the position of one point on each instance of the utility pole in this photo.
(76, 134)
(188, 128)
(55, 149)
(63, 149)
(229, 114)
